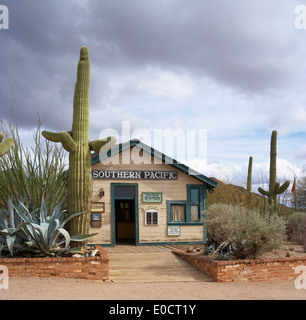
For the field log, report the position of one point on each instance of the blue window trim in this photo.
(171, 203)
(202, 200)
(188, 204)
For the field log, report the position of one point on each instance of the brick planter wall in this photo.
(91, 268)
(245, 270)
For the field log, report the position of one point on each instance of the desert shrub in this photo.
(30, 173)
(246, 231)
(296, 228)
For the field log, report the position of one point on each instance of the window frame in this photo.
(152, 219)
(201, 203)
(187, 206)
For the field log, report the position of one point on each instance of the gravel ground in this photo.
(71, 289)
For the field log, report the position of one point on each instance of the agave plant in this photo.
(36, 231)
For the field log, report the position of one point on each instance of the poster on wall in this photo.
(174, 230)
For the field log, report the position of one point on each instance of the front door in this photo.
(124, 206)
(125, 221)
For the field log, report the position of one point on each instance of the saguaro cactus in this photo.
(249, 183)
(5, 145)
(76, 142)
(274, 187)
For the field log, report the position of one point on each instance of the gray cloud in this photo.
(243, 60)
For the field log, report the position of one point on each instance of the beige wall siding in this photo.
(171, 190)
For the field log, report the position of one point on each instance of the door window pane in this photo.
(124, 192)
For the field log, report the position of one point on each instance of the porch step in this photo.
(150, 265)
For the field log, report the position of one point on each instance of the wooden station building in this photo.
(156, 202)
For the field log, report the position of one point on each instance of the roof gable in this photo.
(155, 153)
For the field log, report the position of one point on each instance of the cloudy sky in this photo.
(234, 68)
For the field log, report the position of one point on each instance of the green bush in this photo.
(296, 228)
(246, 231)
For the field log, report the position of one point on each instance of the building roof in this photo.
(161, 156)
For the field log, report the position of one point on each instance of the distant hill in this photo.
(232, 194)
(236, 195)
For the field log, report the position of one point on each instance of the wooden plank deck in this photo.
(150, 264)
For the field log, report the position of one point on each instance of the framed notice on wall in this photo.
(156, 197)
(174, 230)
(98, 206)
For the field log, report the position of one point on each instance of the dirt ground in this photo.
(71, 289)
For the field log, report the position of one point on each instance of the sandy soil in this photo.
(71, 289)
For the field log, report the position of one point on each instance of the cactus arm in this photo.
(284, 187)
(64, 137)
(1, 137)
(67, 142)
(5, 146)
(276, 187)
(96, 145)
(52, 136)
(263, 192)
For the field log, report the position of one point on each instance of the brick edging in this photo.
(244, 270)
(91, 268)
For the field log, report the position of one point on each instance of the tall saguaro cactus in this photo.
(5, 145)
(274, 187)
(76, 142)
(249, 183)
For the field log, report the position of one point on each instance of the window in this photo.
(194, 213)
(151, 217)
(194, 200)
(189, 211)
(177, 213)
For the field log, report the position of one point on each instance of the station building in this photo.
(143, 197)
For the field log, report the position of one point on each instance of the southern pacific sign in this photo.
(134, 175)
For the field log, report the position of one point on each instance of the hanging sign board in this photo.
(134, 174)
(98, 207)
(174, 230)
(156, 197)
(96, 220)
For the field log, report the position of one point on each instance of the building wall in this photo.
(171, 190)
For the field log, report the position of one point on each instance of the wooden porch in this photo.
(150, 264)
